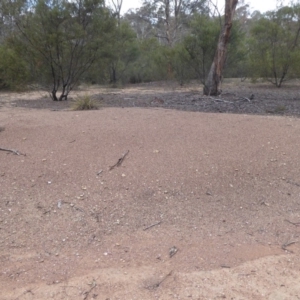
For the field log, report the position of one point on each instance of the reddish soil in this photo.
(204, 205)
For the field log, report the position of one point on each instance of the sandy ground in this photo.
(203, 206)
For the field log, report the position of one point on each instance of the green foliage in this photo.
(123, 52)
(181, 64)
(151, 64)
(84, 103)
(13, 70)
(274, 45)
(237, 53)
(61, 43)
(116, 56)
(63, 40)
(201, 44)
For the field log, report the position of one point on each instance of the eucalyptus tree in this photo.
(213, 80)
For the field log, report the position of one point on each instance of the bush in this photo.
(84, 103)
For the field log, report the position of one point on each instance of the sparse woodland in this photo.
(58, 44)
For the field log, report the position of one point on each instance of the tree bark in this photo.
(213, 80)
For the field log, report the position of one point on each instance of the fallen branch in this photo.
(283, 247)
(156, 285)
(86, 294)
(220, 100)
(152, 226)
(293, 183)
(16, 152)
(225, 267)
(98, 173)
(245, 98)
(119, 162)
(293, 223)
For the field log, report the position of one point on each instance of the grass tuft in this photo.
(84, 103)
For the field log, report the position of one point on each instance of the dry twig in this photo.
(245, 98)
(152, 226)
(86, 294)
(283, 247)
(156, 285)
(120, 160)
(293, 183)
(293, 223)
(16, 152)
(221, 100)
(98, 173)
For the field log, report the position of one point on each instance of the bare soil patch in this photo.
(203, 206)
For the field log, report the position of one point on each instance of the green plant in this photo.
(84, 103)
(280, 109)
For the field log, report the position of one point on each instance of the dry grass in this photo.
(84, 103)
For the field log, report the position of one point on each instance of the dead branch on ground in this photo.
(293, 223)
(220, 100)
(156, 285)
(152, 225)
(16, 152)
(293, 183)
(86, 294)
(245, 98)
(286, 244)
(120, 160)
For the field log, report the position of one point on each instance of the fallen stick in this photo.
(156, 285)
(169, 274)
(292, 182)
(221, 100)
(293, 223)
(245, 98)
(120, 160)
(16, 152)
(86, 294)
(283, 247)
(152, 226)
(98, 173)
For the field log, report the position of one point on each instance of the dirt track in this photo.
(224, 189)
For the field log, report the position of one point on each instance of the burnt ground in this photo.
(236, 98)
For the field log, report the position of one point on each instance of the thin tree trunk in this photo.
(213, 80)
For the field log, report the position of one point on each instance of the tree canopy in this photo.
(59, 44)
